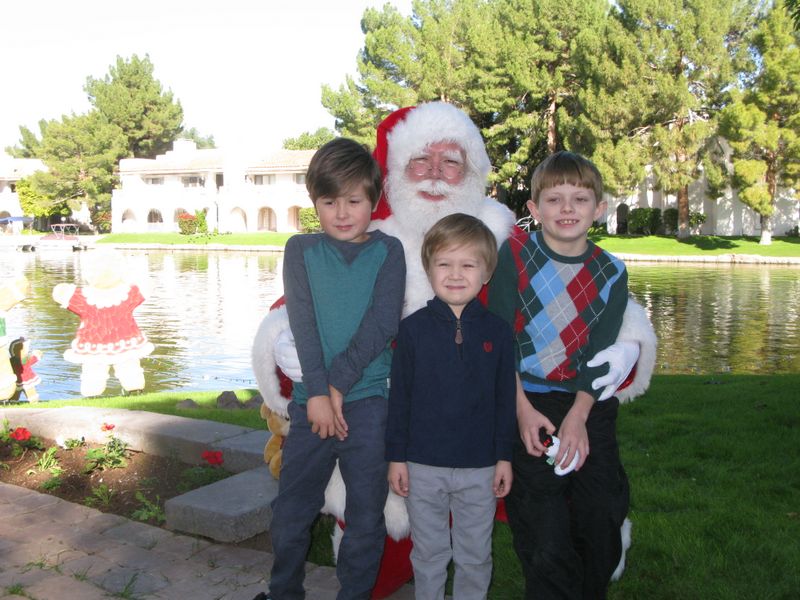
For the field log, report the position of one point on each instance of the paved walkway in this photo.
(51, 549)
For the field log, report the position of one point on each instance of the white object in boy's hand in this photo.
(552, 451)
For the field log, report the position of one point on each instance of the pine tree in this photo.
(80, 153)
(762, 121)
(131, 98)
(655, 85)
(308, 140)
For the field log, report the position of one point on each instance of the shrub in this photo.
(696, 219)
(670, 217)
(598, 229)
(102, 221)
(309, 221)
(645, 221)
(202, 224)
(187, 223)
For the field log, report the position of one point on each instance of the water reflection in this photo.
(203, 308)
(731, 318)
(201, 312)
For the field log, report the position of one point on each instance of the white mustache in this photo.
(436, 187)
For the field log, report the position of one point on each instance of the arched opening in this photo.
(129, 221)
(294, 218)
(267, 220)
(237, 221)
(622, 219)
(154, 220)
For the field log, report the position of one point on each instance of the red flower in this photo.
(487, 346)
(107, 427)
(212, 457)
(20, 434)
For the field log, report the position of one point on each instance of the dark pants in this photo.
(567, 529)
(308, 463)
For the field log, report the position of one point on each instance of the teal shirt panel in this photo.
(341, 294)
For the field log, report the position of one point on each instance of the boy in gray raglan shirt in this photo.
(344, 292)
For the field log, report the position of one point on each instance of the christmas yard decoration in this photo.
(108, 335)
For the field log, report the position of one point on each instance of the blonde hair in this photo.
(460, 230)
(566, 167)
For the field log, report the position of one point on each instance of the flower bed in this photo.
(109, 477)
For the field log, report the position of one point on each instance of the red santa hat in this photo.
(408, 131)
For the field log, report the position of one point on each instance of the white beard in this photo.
(412, 216)
(416, 215)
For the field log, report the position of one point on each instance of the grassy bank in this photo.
(662, 245)
(715, 479)
(657, 245)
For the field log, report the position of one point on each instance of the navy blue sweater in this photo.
(452, 405)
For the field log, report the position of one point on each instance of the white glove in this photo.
(621, 357)
(286, 355)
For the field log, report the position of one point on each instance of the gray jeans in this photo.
(434, 494)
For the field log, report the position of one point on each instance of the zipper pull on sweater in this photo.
(459, 336)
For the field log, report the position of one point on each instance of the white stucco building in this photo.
(11, 171)
(726, 216)
(246, 194)
(238, 194)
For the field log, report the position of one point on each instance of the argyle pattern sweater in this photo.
(563, 309)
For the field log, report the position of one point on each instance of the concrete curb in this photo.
(231, 510)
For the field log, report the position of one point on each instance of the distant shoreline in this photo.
(731, 258)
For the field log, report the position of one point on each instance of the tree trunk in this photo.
(683, 212)
(552, 138)
(766, 230)
(772, 188)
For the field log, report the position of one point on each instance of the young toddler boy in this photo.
(344, 292)
(565, 298)
(451, 413)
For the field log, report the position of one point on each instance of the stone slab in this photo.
(231, 510)
(243, 452)
(182, 438)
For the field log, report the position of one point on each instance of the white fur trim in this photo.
(497, 217)
(625, 532)
(106, 297)
(394, 511)
(396, 517)
(335, 495)
(436, 122)
(336, 541)
(262, 358)
(636, 327)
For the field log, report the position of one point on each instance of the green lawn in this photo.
(659, 245)
(662, 245)
(715, 482)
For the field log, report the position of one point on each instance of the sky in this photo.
(248, 72)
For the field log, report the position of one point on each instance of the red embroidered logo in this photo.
(487, 346)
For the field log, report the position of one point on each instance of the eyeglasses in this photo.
(448, 168)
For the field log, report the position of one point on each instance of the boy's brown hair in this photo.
(566, 167)
(340, 165)
(457, 230)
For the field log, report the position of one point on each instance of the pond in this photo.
(201, 313)
(203, 308)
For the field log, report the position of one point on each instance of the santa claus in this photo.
(413, 148)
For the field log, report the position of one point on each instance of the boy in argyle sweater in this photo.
(565, 298)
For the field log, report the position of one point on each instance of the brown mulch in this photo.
(157, 477)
